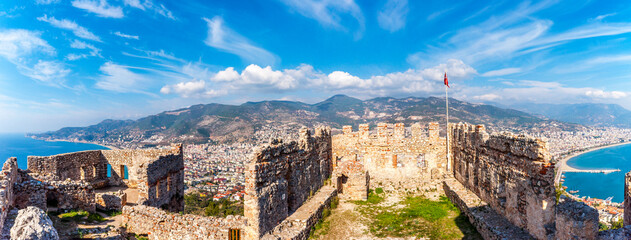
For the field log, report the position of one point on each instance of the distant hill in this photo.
(227, 123)
(590, 114)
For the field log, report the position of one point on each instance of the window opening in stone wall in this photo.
(84, 173)
(51, 201)
(109, 170)
(421, 161)
(123, 171)
(234, 234)
(158, 189)
(169, 182)
(93, 171)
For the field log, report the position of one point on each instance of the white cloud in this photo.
(603, 94)
(46, 2)
(225, 39)
(126, 36)
(487, 97)
(149, 5)
(66, 24)
(392, 16)
(99, 7)
(119, 78)
(48, 72)
(226, 75)
(329, 13)
(339, 79)
(76, 44)
(511, 34)
(15, 43)
(601, 17)
(193, 88)
(501, 72)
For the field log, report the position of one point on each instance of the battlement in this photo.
(392, 155)
(282, 176)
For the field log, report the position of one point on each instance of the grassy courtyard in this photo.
(384, 216)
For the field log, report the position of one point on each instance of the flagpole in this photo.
(447, 120)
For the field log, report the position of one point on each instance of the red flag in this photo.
(446, 81)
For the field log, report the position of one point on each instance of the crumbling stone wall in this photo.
(627, 199)
(512, 173)
(282, 176)
(111, 200)
(575, 220)
(351, 180)
(8, 178)
(158, 174)
(393, 157)
(160, 224)
(66, 194)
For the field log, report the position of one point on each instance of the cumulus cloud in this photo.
(149, 5)
(305, 77)
(604, 94)
(99, 7)
(66, 24)
(192, 89)
(126, 36)
(329, 13)
(225, 39)
(392, 16)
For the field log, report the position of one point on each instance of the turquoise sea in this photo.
(17, 145)
(599, 185)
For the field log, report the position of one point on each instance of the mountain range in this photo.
(230, 123)
(589, 114)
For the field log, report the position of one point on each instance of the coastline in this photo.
(562, 164)
(57, 140)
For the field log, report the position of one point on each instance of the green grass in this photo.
(95, 217)
(74, 215)
(418, 217)
(373, 198)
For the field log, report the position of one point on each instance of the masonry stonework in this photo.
(627, 199)
(391, 156)
(282, 176)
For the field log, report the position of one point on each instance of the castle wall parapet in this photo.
(512, 173)
(392, 156)
(282, 176)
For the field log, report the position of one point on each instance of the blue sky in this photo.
(77, 62)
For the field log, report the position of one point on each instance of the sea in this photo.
(600, 185)
(20, 146)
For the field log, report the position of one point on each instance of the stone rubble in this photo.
(32, 223)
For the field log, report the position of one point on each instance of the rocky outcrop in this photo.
(32, 223)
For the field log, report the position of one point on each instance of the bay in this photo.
(600, 185)
(17, 145)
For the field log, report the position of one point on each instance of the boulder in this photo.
(33, 223)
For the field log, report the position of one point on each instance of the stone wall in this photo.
(351, 180)
(111, 200)
(160, 224)
(627, 199)
(393, 157)
(65, 194)
(512, 173)
(158, 174)
(575, 220)
(282, 176)
(8, 178)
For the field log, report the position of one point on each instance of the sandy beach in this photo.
(562, 164)
(55, 140)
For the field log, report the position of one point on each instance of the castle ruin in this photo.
(504, 184)
(392, 156)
